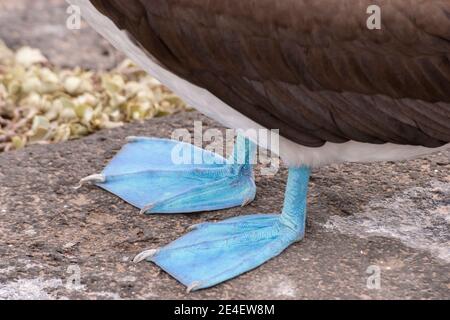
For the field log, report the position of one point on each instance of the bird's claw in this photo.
(144, 255)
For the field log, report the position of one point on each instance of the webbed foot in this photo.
(216, 252)
(167, 176)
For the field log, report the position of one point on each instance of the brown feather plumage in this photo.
(309, 68)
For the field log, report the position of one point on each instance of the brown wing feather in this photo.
(309, 68)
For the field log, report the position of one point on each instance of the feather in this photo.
(224, 97)
(311, 69)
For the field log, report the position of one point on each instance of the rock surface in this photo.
(391, 216)
(42, 24)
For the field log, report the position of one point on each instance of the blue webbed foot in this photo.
(167, 176)
(216, 252)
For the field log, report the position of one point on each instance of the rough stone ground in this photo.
(42, 24)
(392, 215)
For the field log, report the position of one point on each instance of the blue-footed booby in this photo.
(336, 90)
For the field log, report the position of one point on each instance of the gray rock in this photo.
(42, 24)
(360, 215)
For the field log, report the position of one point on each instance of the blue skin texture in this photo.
(216, 252)
(150, 174)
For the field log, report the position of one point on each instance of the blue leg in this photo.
(167, 176)
(216, 252)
